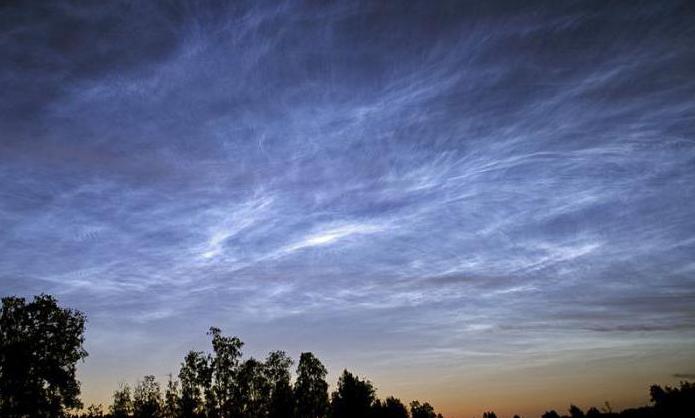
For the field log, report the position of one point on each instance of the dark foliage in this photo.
(390, 408)
(311, 388)
(424, 410)
(40, 345)
(353, 398)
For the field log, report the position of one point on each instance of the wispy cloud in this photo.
(332, 234)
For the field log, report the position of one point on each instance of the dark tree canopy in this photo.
(171, 407)
(311, 388)
(225, 365)
(390, 408)
(593, 412)
(147, 398)
(550, 414)
(281, 404)
(122, 405)
(195, 377)
(422, 410)
(40, 345)
(576, 412)
(353, 397)
(677, 402)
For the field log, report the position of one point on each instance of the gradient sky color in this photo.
(485, 205)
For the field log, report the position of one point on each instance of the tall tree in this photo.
(352, 398)
(311, 389)
(196, 384)
(277, 368)
(122, 405)
(147, 398)
(40, 345)
(225, 364)
(252, 390)
(172, 400)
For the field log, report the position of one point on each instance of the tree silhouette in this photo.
(147, 398)
(424, 410)
(225, 363)
(353, 397)
(195, 377)
(390, 408)
(172, 400)
(311, 389)
(122, 405)
(576, 412)
(40, 345)
(674, 402)
(593, 412)
(281, 403)
(550, 414)
(253, 390)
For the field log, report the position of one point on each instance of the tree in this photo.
(424, 410)
(252, 390)
(489, 414)
(172, 400)
(593, 412)
(196, 383)
(40, 345)
(576, 412)
(550, 414)
(311, 389)
(674, 402)
(390, 408)
(352, 398)
(277, 368)
(122, 405)
(147, 399)
(227, 354)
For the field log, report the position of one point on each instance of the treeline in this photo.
(221, 384)
(41, 343)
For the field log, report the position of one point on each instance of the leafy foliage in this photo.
(147, 398)
(40, 345)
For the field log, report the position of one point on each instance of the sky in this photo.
(480, 205)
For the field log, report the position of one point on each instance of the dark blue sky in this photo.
(441, 197)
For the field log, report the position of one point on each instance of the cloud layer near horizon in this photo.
(469, 184)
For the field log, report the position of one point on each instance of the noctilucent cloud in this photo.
(484, 205)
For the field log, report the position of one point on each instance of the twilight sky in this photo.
(480, 205)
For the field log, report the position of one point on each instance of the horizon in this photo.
(481, 205)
